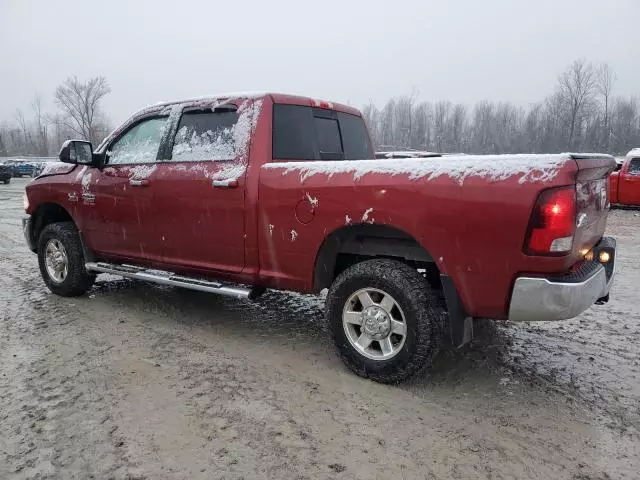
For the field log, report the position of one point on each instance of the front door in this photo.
(201, 190)
(117, 201)
(629, 184)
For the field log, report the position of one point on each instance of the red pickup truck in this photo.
(624, 183)
(238, 193)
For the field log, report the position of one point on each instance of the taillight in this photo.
(25, 202)
(552, 223)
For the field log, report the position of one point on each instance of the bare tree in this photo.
(387, 123)
(81, 102)
(22, 125)
(605, 79)
(457, 127)
(570, 116)
(41, 141)
(371, 115)
(577, 85)
(441, 113)
(3, 148)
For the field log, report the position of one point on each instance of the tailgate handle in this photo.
(139, 183)
(225, 183)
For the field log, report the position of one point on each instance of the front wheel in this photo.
(61, 260)
(384, 317)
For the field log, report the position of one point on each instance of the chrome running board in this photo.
(168, 278)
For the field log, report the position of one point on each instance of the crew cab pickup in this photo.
(238, 193)
(624, 183)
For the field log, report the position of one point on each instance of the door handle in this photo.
(225, 183)
(139, 183)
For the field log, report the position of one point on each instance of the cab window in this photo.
(139, 144)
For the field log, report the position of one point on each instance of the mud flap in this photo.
(88, 254)
(458, 326)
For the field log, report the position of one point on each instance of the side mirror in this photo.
(76, 151)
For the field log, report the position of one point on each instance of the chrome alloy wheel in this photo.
(374, 324)
(56, 261)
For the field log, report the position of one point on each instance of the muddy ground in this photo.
(139, 381)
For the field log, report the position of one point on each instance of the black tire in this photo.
(7, 181)
(419, 303)
(78, 280)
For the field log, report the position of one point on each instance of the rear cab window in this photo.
(308, 133)
(634, 166)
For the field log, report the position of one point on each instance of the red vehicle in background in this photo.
(624, 184)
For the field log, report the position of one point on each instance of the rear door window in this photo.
(306, 133)
(206, 135)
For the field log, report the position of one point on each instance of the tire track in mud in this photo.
(44, 406)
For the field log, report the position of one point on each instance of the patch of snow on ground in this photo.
(530, 168)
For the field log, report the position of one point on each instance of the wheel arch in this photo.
(46, 214)
(361, 241)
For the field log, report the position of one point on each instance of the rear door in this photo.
(201, 189)
(117, 202)
(629, 183)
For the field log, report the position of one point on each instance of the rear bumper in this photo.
(561, 298)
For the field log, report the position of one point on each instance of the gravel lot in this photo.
(140, 381)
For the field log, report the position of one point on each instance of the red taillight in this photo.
(552, 223)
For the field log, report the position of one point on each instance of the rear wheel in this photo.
(383, 317)
(61, 260)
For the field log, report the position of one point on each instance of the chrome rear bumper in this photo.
(561, 298)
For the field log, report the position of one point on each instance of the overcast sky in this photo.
(350, 51)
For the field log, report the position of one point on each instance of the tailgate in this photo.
(592, 196)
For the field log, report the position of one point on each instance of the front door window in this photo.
(139, 145)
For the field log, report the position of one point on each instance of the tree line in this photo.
(583, 114)
(79, 115)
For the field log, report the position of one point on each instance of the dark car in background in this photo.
(6, 172)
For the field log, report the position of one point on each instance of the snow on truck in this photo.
(238, 193)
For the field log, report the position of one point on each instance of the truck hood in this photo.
(56, 168)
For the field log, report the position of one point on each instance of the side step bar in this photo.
(168, 278)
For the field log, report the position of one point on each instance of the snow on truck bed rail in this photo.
(529, 168)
